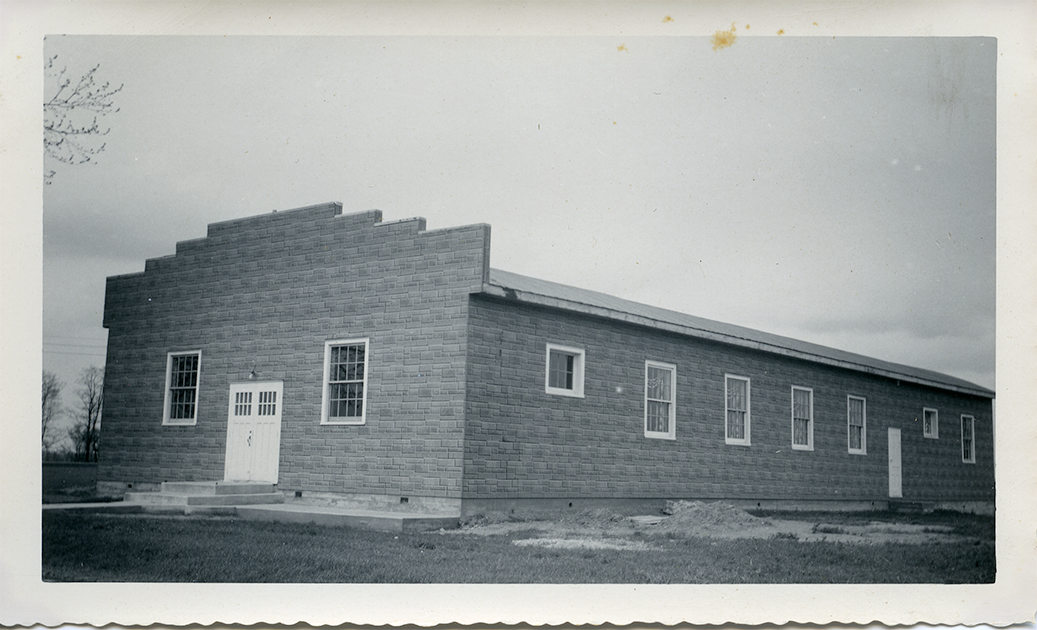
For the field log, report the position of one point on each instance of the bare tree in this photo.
(70, 115)
(51, 407)
(86, 431)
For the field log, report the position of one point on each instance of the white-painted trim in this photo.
(181, 422)
(579, 361)
(971, 459)
(671, 434)
(934, 434)
(809, 446)
(747, 440)
(326, 385)
(863, 450)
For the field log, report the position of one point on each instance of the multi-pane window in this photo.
(802, 418)
(181, 397)
(660, 400)
(856, 425)
(564, 371)
(345, 382)
(930, 423)
(267, 403)
(968, 439)
(736, 410)
(243, 403)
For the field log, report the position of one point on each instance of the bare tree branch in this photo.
(51, 406)
(85, 434)
(70, 115)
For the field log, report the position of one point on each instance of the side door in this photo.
(895, 465)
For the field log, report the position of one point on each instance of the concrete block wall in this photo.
(264, 293)
(522, 443)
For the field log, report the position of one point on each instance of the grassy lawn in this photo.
(148, 548)
(79, 494)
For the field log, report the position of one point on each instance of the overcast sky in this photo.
(836, 190)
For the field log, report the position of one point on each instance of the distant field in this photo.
(150, 548)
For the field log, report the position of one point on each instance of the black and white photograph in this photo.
(714, 308)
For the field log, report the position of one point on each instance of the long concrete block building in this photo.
(344, 358)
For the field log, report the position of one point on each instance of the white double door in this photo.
(253, 432)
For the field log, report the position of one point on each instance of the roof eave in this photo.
(640, 320)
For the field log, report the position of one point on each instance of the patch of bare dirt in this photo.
(599, 522)
(875, 532)
(620, 544)
(604, 529)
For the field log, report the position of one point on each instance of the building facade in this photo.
(341, 357)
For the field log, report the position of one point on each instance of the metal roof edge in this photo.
(500, 291)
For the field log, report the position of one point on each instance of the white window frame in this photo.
(167, 420)
(969, 421)
(671, 433)
(326, 386)
(747, 439)
(579, 359)
(863, 450)
(809, 446)
(933, 432)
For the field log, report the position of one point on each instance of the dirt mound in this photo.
(599, 518)
(695, 518)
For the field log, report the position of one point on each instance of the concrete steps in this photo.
(207, 494)
(261, 502)
(340, 517)
(217, 487)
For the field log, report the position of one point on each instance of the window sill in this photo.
(568, 393)
(660, 436)
(184, 423)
